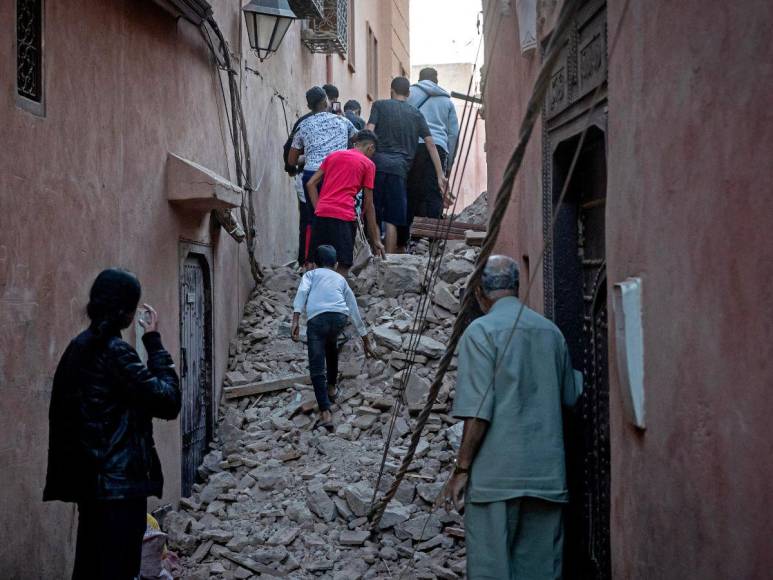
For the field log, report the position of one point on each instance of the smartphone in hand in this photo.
(336, 107)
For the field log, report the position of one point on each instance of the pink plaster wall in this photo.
(509, 78)
(689, 210)
(83, 188)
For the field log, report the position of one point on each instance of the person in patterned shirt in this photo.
(316, 136)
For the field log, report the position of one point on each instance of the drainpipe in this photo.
(329, 69)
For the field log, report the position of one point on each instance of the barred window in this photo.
(372, 65)
(351, 31)
(29, 49)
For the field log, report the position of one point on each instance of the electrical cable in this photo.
(595, 101)
(436, 253)
(240, 141)
(430, 277)
(502, 199)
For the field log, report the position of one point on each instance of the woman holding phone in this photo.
(101, 452)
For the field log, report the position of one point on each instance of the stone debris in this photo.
(476, 212)
(279, 497)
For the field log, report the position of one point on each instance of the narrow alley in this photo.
(282, 497)
(386, 289)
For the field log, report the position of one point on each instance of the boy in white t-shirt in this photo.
(329, 302)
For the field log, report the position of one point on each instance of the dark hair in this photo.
(326, 256)
(314, 96)
(331, 91)
(352, 105)
(113, 299)
(365, 136)
(401, 86)
(428, 74)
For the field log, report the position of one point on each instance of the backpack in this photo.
(427, 96)
(292, 170)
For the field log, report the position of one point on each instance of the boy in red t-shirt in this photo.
(335, 218)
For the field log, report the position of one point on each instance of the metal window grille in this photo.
(372, 65)
(329, 33)
(29, 49)
(352, 30)
(307, 8)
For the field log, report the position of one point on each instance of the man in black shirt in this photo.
(399, 127)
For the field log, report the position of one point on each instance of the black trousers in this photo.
(110, 536)
(424, 196)
(306, 215)
(322, 332)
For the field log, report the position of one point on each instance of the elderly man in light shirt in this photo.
(510, 475)
(329, 302)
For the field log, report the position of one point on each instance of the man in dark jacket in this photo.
(353, 110)
(101, 452)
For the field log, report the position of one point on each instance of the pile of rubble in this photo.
(283, 498)
(476, 212)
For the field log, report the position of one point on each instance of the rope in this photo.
(436, 254)
(238, 128)
(595, 101)
(503, 196)
(431, 273)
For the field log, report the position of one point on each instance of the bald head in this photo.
(500, 277)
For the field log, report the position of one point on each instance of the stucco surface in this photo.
(690, 140)
(84, 188)
(509, 78)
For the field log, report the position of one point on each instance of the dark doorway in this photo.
(196, 362)
(580, 310)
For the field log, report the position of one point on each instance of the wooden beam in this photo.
(251, 565)
(423, 222)
(439, 229)
(463, 97)
(473, 238)
(265, 386)
(431, 234)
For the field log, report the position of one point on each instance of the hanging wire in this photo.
(595, 101)
(504, 194)
(431, 273)
(239, 138)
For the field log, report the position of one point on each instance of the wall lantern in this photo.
(267, 24)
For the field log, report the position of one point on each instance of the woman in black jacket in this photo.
(101, 452)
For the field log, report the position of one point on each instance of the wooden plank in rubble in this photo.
(265, 386)
(440, 228)
(432, 222)
(474, 238)
(433, 234)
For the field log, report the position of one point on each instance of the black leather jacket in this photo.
(101, 419)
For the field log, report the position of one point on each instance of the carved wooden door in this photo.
(575, 280)
(195, 420)
(580, 310)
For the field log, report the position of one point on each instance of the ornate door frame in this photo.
(575, 259)
(582, 67)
